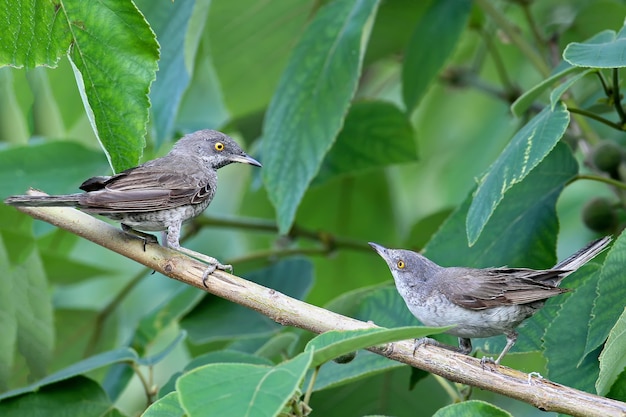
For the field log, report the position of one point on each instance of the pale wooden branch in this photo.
(539, 392)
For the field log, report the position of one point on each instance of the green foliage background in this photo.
(467, 129)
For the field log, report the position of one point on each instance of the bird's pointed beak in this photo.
(246, 159)
(381, 250)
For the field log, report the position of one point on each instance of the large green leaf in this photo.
(221, 356)
(564, 69)
(610, 53)
(310, 103)
(33, 33)
(432, 43)
(167, 406)
(77, 396)
(528, 148)
(375, 134)
(250, 52)
(333, 344)
(78, 368)
(8, 319)
(114, 54)
(33, 312)
(566, 333)
(611, 291)
(472, 408)
(613, 357)
(169, 21)
(168, 312)
(46, 166)
(241, 389)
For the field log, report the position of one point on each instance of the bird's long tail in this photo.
(583, 256)
(71, 200)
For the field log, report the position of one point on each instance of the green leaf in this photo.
(114, 55)
(78, 368)
(311, 100)
(279, 346)
(164, 352)
(8, 318)
(168, 312)
(77, 396)
(254, 46)
(220, 356)
(424, 229)
(521, 233)
(472, 408)
(526, 150)
(365, 365)
(566, 333)
(523, 102)
(556, 94)
(613, 357)
(241, 389)
(169, 21)
(41, 166)
(375, 134)
(33, 311)
(442, 24)
(218, 319)
(526, 100)
(611, 53)
(611, 293)
(65, 270)
(33, 33)
(167, 406)
(332, 344)
(618, 390)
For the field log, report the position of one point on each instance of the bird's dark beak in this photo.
(381, 250)
(245, 159)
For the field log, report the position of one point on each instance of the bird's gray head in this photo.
(406, 266)
(215, 148)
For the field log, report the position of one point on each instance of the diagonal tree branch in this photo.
(541, 393)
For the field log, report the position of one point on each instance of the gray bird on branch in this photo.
(478, 302)
(159, 195)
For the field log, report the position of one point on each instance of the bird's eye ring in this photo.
(400, 264)
(219, 146)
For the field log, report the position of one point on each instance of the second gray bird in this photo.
(159, 195)
(478, 302)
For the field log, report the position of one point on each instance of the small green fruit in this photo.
(607, 156)
(599, 215)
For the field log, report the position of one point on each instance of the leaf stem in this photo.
(595, 117)
(309, 390)
(599, 178)
(617, 99)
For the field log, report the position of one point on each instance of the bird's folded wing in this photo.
(144, 189)
(502, 286)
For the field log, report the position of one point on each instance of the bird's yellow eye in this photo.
(400, 264)
(219, 146)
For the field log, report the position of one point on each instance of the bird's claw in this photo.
(420, 342)
(487, 360)
(212, 268)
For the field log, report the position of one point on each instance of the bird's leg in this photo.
(147, 237)
(511, 338)
(173, 235)
(465, 345)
